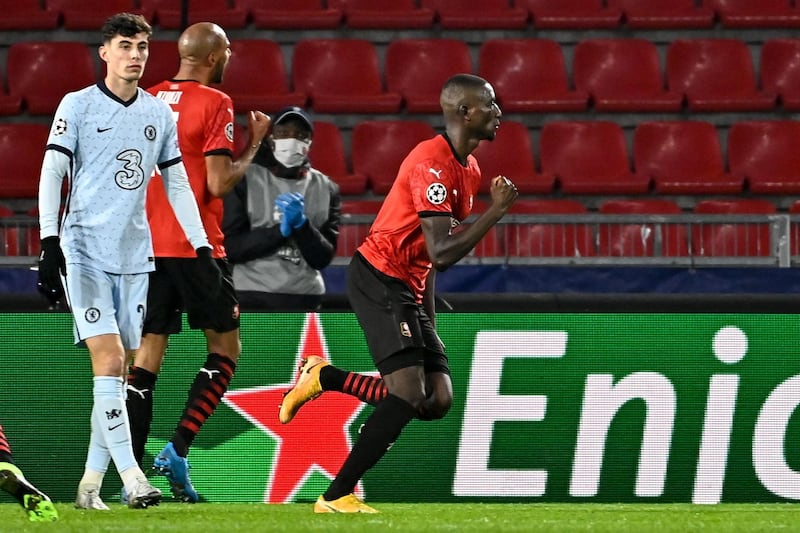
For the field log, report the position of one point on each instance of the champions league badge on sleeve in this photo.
(436, 193)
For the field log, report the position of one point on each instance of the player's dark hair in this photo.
(464, 81)
(125, 24)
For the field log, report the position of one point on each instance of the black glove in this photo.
(51, 265)
(208, 271)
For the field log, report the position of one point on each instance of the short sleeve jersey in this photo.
(431, 182)
(205, 127)
(114, 147)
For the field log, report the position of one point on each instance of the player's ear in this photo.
(101, 51)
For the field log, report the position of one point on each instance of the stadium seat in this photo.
(732, 239)
(715, 75)
(417, 68)
(341, 76)
(352, 234)
(758, 15)
(265, 88)
(327, 154)
(27, 15)
(168, 14)
(572, 14)
(641, 240)
(780, 71)
(589, 157)
(21, 152)
(385, 14)
(10, 104)
(682, 157)
(292, 14)
(547, 240)
(674, 14)
(529, 75)
(42, 72)
(491, 245)
(162, 64)
(379, 146)
(764, 153)
(483, 15)
(9, 233)
(91, 14)
(623, 75)
(511, 155)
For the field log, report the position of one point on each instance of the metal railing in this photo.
(685, 240)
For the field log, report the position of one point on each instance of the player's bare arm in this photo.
(446, 248)
(223, 172)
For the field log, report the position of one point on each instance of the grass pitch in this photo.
(422, 518)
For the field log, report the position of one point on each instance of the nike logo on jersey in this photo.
(436, 173)
(101, 130)
(112, 428)
(140, 392)
(209, 372)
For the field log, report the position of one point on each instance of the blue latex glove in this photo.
(293, 209)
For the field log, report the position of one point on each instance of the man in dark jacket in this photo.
(281, 222)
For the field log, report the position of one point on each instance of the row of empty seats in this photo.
(447, 14)
(570, 239)
(19, 237)
(529, 75)
(576, 157)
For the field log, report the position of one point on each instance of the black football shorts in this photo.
(393, 322)
(175, 288)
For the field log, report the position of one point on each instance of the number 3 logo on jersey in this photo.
(436, 193)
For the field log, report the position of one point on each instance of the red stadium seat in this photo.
(379, 146)
(491, 245)
(292, 14)
(674, 14)
(761, 14)
(765, 154)
(780, 71)
(642, 240)
(21, 152)
(572, 14)
(548, 240)
(729, 239)
(484, 15)
(385, 14)
(43, 72)
(10, 104)
(168, 13)
(162, 64)
(529, 75)
(623, 75)
(352, 234)
(417, 68)
(265, 88)
(341, 76)
(682, 157)
(715, 75)
(9, 233)
(327, 154)
(589, 157)
(91, 14)
(511, 155)
(26, 15)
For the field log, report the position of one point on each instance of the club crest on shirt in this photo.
(436, 193)
(92, 315)
(150, 133)
(60, 127)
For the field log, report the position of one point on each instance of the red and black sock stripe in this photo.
(5, 448)
(208, 388)
(368, 389)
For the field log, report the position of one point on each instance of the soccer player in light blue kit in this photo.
(107, 139)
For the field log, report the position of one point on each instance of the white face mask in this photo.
(291, 152)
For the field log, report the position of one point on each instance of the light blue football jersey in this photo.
(114, 147)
